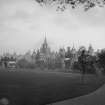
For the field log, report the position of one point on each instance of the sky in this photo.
(24, 24)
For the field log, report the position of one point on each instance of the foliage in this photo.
(62, 4)
(85, 63)
(76, 66)
(101, 59)
(90, 69)
(23, 63)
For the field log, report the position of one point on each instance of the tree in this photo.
(23, 63)
(68, 57)
(62, 4)
(37, 58)
(101, 59)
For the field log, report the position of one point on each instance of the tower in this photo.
(45, 48)
(45, 52)
(45, 45)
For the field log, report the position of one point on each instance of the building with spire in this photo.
(45, 50)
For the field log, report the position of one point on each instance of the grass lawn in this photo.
(94, 98)
(29, 87)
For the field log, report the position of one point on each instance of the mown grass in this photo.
(29, 87)
(95, 98)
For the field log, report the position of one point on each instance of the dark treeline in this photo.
(65, 60)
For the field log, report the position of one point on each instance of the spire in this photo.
(45, 45)
(45, 48)
(45, 40)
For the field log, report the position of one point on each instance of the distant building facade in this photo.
(45, 52)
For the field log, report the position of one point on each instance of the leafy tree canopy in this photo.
(63, 4)
(101, 57)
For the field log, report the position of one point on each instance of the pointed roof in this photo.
(45, 40)
(45, 44)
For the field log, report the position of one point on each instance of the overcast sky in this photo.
(23, 25)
